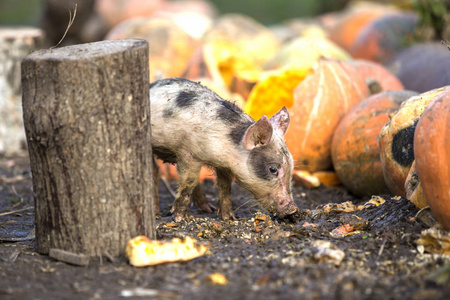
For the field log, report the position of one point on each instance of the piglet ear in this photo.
(280, 121)
(258, 134)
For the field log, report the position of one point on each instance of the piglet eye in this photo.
(273, 170)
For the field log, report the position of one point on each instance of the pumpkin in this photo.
(355, 148)
(274, 91)
(320, 102)
(303, 52)
(422, 67)
(238, 42)
(345, 32)
(432, 152)
(377, 77)
(413, 188)
(397, 141)
(294, 28)
(171, 47)
(381, 39)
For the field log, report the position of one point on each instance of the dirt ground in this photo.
(261, 257)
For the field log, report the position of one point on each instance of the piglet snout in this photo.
(286, 207)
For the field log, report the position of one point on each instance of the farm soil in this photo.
(260, 256)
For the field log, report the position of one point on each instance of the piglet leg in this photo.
(224, 180)
(200, 200)
(188, 181)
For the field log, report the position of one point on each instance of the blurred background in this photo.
(28, 12)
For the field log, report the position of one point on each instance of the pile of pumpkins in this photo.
(351, 115)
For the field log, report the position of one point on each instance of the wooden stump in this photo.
(86, 112)
(15, 44)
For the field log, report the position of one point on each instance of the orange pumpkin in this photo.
(413, 188)
(171, 47)
(355, 148)
(377, 77)
(381, 39)
(397, 141)
(320, 102)
(432, 152)
(347, 29)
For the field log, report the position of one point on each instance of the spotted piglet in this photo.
(192, 126)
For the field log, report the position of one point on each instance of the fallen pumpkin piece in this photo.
(327, 178)
(217, 279)
(141, 251)
(343, 207)
(314, 180)
(374, 202)
(342, 231)
(305, 179)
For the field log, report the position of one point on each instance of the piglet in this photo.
(192, 126)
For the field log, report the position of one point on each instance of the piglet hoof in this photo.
(228, 216)
(200, 200)
(179, 214)
(207, 207)
(179, 217)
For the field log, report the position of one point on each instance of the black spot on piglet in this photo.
(230, 112)
(185, 98)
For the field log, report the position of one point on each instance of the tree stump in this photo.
(15, 44)
(86, 113)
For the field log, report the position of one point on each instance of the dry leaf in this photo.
(434, 240)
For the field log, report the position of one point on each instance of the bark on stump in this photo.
(86, 112)
(15, 44)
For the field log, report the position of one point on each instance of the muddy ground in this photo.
(261, 257)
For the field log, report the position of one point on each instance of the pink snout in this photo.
(285, 207)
